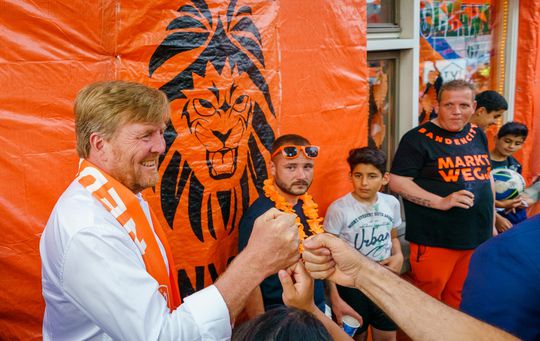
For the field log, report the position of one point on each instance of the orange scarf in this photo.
(123, 204)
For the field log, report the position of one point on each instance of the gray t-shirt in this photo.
(365, 227)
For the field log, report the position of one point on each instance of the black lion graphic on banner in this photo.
(221, 108)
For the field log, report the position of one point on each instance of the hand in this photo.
(501, 223)
(509, 204)
(462, 198)
(393, 263)
(297, 287)
(341, 308)
(527, 200)
(273, 244)
(327, 256)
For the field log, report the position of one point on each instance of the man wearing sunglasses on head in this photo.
(291, 170)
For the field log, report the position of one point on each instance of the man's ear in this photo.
(480, 111)
(97, 144)
(272, 168)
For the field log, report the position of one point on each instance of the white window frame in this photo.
(511, 57)
(406, 42)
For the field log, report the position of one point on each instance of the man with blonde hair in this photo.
(107, 271)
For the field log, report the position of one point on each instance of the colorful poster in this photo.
(457, 41)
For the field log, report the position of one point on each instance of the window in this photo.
(382, 113)
(381, 16)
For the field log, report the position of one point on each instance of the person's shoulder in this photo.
(78, 217)
(76, 209)
(513, 161)
(389, 198)
(519, 240)
(260, 205)
(476, 131)
(413, 138)
(256, 209)
(418, 131)
(345, 200)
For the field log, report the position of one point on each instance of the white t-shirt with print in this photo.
(365, 227)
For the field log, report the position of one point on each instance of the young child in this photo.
(509, 140)
(367, 220)
(490, 106)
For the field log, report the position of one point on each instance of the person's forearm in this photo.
(236, 284)
(410, 191)
(332, 289)
(534, 191)
(254, 304)
(396, 246)
(420, 316)
(333, 329)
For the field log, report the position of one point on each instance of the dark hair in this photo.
(282, 324)
(456, 84)
(289, 139)
(367, 155)
(491, 101)
(513, 128)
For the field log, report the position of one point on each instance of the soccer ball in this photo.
(508, 183)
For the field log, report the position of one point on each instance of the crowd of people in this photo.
(108, 273)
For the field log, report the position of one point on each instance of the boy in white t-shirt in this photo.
(368, 221)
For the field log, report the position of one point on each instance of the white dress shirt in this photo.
(96, 286)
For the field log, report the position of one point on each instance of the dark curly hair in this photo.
(367, 155)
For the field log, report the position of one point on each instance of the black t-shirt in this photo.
(444, 162)
(271, 287)
(508, 163)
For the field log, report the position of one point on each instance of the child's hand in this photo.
(393, 263)
(527, 200)
(501, 223)
(340, 308)
(297, 287)
(509, 204)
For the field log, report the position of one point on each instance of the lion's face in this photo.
(215, 121)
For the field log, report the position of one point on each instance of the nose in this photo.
(301, 173)
(221, 136)
(158, 144)
(363, 181)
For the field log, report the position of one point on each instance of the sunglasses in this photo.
(291, 152)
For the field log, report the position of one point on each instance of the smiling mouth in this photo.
(222, 163)
(149, 164)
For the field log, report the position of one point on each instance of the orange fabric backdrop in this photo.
(325, 85)
(527, 102)
(316, 84)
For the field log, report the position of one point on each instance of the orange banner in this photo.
(237, 73)
(527, 103)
